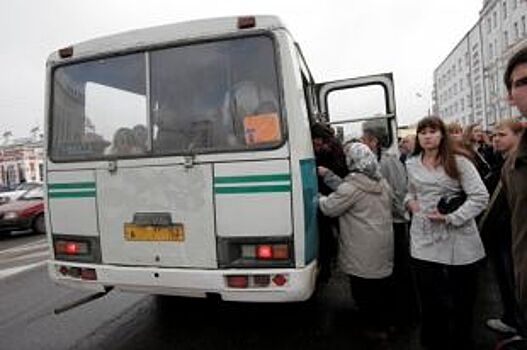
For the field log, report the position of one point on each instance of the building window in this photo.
(514, 4)
(489, 24)
(504, 5)
(495, 19)
(505, 39)
(491, 51)
(516, 31)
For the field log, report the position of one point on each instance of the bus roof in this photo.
(190, 30)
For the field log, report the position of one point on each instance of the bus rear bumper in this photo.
(299, 283)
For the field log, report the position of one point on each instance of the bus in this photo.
(179, 159)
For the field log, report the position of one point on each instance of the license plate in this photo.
(133, 232)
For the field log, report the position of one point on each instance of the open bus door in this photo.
(353, 105)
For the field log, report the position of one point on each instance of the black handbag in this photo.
(449, 204)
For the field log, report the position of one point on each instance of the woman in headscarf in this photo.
(362, 202)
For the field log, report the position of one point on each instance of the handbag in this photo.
(450, 203)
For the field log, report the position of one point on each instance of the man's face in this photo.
(319, 146)
(518, 93)
(407, 144)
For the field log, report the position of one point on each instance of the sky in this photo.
(340, 39)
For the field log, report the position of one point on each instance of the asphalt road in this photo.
(135, 321)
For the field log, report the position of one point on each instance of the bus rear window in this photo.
(208, 97)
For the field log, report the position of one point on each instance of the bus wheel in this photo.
(39, 226)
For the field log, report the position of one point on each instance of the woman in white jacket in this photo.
(362, 201)
(444, 241)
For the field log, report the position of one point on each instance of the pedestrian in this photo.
(362, 203)
(445, 243)
(496, 233)
(329, 154)
(455, 130)
(480, 152)
(514, 175)
(376, 137)
(406, 147)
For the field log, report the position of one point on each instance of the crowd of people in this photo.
(411, 230)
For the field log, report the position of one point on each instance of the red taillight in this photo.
(238, 281)
(71, 247)
(264, 251)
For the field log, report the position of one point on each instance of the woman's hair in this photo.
(467, 134)
(454, 127)
(447, 151)
(511, 123)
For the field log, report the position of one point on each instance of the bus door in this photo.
(353, 106)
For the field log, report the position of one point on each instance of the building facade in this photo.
(21, 161)
(468, 84)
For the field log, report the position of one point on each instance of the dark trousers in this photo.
(373, 299)
(406, 307)
(327, 245)
(501, 257)
(447, 294)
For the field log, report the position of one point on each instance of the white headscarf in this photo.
(360, 159)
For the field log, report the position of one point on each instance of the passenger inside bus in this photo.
(124, 143)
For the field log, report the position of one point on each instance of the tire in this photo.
(39, 226)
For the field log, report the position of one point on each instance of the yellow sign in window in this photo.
(262, 128)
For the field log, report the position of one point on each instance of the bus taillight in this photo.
(71, 247)
(266, 251)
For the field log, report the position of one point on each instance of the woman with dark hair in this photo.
(445, 194)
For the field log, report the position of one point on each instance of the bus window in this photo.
(215, 96)
(93, 103)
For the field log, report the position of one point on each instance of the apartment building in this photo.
(468, 84)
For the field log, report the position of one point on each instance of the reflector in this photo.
(279, 280)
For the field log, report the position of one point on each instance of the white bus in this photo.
(180, 161)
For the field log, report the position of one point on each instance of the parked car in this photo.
(26, 212)
(19, 190)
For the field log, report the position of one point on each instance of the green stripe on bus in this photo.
(252, 189)
(71, 185)
(251, 178)
(64, 194)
